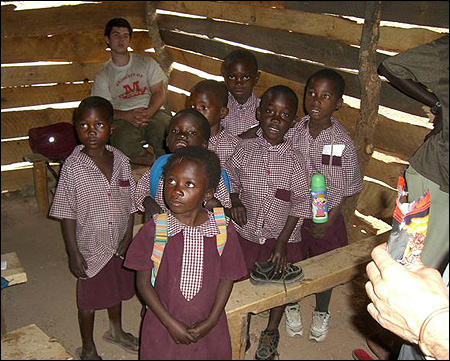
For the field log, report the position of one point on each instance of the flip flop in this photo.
(127, 347)
(360, 354)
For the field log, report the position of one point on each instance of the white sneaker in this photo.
(319, 326)
(293, 318)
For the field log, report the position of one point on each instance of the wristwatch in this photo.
(436, 107)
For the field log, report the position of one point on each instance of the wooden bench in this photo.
(321, 273)
(40, 181)
(31, 343)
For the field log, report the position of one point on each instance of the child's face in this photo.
(93, 128)
(186, 187)
(240, 78)
(185, 131)
(321, 99)
(207, 104)
(118, 39)
(276, 114)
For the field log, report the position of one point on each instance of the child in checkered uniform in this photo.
(188, 127)
(240, 72)
(329, 150)
(186, 319)
(270, 196)
(94, 199)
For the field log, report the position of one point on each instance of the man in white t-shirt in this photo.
(136, 87)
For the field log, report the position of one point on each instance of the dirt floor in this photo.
(47, 299)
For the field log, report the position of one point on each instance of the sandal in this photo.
(264, 272)
(129, 347)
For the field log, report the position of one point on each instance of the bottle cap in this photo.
(318, 182)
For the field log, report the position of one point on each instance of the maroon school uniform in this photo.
(156, 342)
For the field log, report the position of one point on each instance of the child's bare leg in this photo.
(276, 314)
(117, 334)
(86, 322)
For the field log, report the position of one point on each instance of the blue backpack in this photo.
(157, 170)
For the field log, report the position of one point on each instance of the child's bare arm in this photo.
(151, 208)
(125, 242)
(77, 263)
(177, 330)
(201, 329)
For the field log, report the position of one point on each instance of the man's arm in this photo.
(157, 99)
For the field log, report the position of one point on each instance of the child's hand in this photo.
(239, 215)
(151, 208)
(213, 202)
(179, 332)
(200, 329)
(78, 265)
(121, 250)
(278, 256)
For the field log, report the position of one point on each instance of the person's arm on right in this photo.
(77, 263)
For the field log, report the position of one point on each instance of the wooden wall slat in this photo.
(13, 152)
(319, 49)
(42, 22)
(428, 13)
(394, 39)
(291, 69)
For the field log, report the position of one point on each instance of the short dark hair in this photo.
(207, 158)
(95, 102)
(217, 88)
(331, 75)
(119, 23)
(240, 55)
(202, 121)
(283, 90)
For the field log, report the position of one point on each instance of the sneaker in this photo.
(293, 319)
(264, 272)
(319, 326)
(267, 346)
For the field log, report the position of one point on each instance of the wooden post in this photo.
(370, 95)
(162, 56)
(41, 186)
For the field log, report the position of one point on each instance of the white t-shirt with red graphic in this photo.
(128, 87)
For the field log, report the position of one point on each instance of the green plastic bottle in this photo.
(319, 198)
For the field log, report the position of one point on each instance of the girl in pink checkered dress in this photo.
(185, 316)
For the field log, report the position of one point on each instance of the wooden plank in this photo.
(321, 273)
(13, 97)
(77, 47)
(14, 272)
(31, 343)
(387, 172)
(377, 200)
(291, 69)
(17, 180)
(394, 39)
(28, 75)
(319, 49)
(428, 13)
(13, 152)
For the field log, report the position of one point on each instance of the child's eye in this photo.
(99, 126)
(192, 132)
(174, 131)
(247, 77)
(231, 77)
(269, 111)
(326, 96)
(285, 115)
(83, 126)
(170, 181)
(310, 93)
(190, 185)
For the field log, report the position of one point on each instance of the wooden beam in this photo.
(321, 273)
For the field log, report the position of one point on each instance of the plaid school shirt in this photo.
(101, 208)
(241, 117)
(223, 144)
(272, 185)
(343, 177)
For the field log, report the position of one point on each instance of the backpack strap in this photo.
(159, 244)
(221, 222)
(226, 179)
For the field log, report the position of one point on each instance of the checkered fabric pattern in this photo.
(223, 144)
(192, 264)
(101, 208)
(241, 117)
(272, 185)
(342, 180)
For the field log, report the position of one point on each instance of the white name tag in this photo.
(338, 149)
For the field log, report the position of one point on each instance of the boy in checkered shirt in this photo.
(328, 149)
(240, 72)
(270, 198)
(94, 199)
